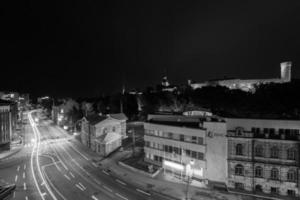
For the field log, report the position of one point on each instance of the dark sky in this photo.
(83, 48)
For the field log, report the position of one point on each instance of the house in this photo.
(122, 118)
(102, 133)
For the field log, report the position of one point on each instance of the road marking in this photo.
(121, 196)
(141, 191)
(24, 175)
(14, 194)
(44, 193)
(18, 169)
(16, 178)
(121, 182)
(80, 153)
(26, 198)
(24, 166)
(79, 187)
(107, 188)
(94, 164)
(82, 185)
(93, 197)
(72, 175)
(25, 188)
(67, 177)
(105, 172)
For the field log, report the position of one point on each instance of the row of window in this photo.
(273, 131)
(259, 151)
(180, 137)
(175, 150)
(259, 173)
(258, 188)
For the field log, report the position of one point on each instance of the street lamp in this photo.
(189, 172)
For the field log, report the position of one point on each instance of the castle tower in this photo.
(285, 69)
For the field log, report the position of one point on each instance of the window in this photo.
(239, 186)
(258, 188)
(291, 193)
(274, 152)
(274, 190)
(272, 131)
(274, 174)
(291, 154)
(200, 140)
(188, 152)
(266, 130)
(194, 154)
(239, 170)
(291, 176)
(170, 135)
(200, 156)
(239, 131)
(281, 131)
(259, 172)
(113, 129)
(194, 139)
(147, 144)
(259, 151)
(239, 149)
(181, 137)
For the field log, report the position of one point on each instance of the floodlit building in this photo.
(249, 84)
(103, 134)
(263, 156)
(184, 144)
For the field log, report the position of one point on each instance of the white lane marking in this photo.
(107, 188)
(94, 164)
(80, 153)
(16, 178)
(24, 175)
(14, 194)
(25, 188)
(44, 193)
(26, 198)
(79, 187)
(18, 169)
(93, 197)
(141, 191)
(82, 185)
(72, 174)
(121, 196)
(24, 166)
(105, 172)
(67, 177)
(121, 182)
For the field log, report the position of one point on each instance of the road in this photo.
(55, 168)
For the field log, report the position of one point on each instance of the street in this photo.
(51, 166)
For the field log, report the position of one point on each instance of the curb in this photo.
(9, 155)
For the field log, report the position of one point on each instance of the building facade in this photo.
(183, 144)
(263, 156)
(103, 134)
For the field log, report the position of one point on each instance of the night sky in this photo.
(85, 47)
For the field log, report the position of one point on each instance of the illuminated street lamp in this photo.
(189, 173)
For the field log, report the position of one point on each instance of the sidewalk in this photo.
(162, 183)
(11, 152)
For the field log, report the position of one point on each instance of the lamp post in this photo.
(189, 172)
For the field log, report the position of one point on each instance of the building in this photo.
(263, 156)
(121, 117)
(184, 144)
(249, 84)
(101, 133)
(8, 121)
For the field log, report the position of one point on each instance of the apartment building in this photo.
(184, 144)
(263, 156)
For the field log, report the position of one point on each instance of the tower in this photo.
(285, 69)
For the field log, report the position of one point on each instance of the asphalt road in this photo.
(52, 167)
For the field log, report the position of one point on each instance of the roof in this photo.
(108, 137)
(118, 116)
(95, 119)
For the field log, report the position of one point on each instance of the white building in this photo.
(188, 143)
(249, 84)
(263, 156)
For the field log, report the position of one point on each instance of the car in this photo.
(6, 190)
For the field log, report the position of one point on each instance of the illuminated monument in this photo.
(249, 84)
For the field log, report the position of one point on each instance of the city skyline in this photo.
(87, 48)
